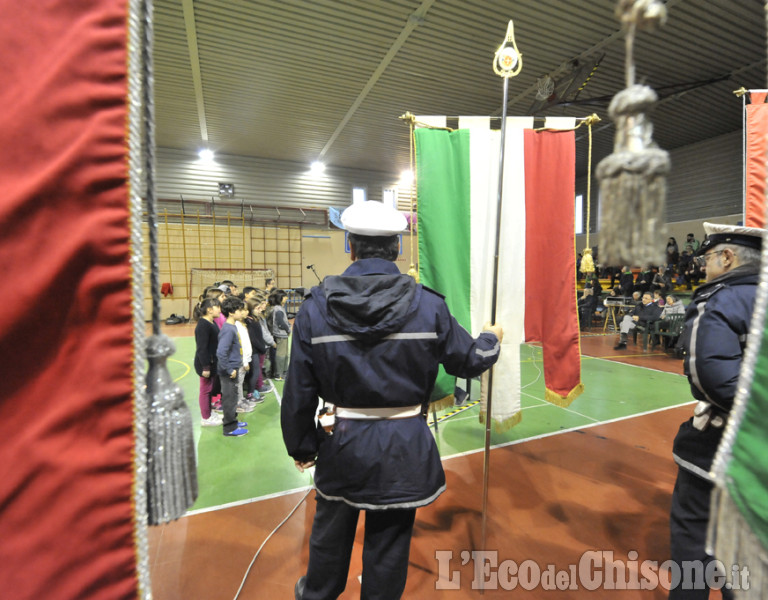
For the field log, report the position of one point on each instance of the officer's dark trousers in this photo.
(386, 547)
(688, 528)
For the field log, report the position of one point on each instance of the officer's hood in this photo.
(370, 300)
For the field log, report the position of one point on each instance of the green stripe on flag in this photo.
(442, 169)
(747, 474)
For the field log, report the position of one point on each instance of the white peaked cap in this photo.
(373, 218)
(719, 233)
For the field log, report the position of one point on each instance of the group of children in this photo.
(233, 340)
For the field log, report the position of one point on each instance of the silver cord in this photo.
(135, 21)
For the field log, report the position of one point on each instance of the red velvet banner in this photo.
(757, 129)
(550, 262)
(67, 476)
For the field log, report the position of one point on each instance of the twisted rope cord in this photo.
(135, 24)
(149, 160)
(589, 179)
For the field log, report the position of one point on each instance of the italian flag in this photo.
(457, 187)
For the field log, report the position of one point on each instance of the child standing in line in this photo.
(259, 346)
(281, 329)
(207, 341)
(217, 293)
(244, 404)
(230, 358)
(269, 341)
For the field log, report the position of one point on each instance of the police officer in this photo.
(369, 342)
(715, 336)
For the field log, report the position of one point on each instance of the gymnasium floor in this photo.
(596, 476)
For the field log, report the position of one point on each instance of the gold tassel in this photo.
(587, 263)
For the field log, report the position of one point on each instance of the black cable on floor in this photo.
(255, 556)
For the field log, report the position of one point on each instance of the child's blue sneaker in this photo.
(236, 432)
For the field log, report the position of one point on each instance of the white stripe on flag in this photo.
(431, 120)
(560, 122)
(510, 312)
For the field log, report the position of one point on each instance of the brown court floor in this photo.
(605, 488)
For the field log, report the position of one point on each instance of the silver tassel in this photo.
(171, 466)
(633, 179)
(633, 185)
(738, 548)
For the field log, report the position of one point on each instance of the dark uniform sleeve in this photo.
(463, 355)
(715, 360)
(300, 395)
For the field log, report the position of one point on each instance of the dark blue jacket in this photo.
(372, 337)
(229, 352)
(716, 328)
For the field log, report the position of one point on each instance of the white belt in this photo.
(395, 412)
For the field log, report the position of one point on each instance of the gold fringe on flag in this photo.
(499, 425)
(442, 403)
(563, 401)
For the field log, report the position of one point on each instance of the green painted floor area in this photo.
(234, 470)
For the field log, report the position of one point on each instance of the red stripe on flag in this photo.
(66, 484)
(550, 264)
(757, 126)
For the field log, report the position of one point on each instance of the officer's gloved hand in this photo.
(494, 329)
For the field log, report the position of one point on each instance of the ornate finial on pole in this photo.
(508, 61)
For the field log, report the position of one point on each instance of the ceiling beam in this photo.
(194, 60)
(414, 20)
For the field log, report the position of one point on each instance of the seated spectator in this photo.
(672, 252)
(594, 283)
(692, 274)
(587, 305)
(644, 314)
(661, 282)
(643, 281)
(658, 298)
(691, 241)
(626, 281)
(672, 307)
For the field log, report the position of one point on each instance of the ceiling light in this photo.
(206, 155)
(406, 177)
(317, 168)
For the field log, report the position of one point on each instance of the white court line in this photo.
(277, 394)
(569, 430)
(616, 362)
(248, 501)
(544, 435)
(452, 456)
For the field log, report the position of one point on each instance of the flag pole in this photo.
(507, 62)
